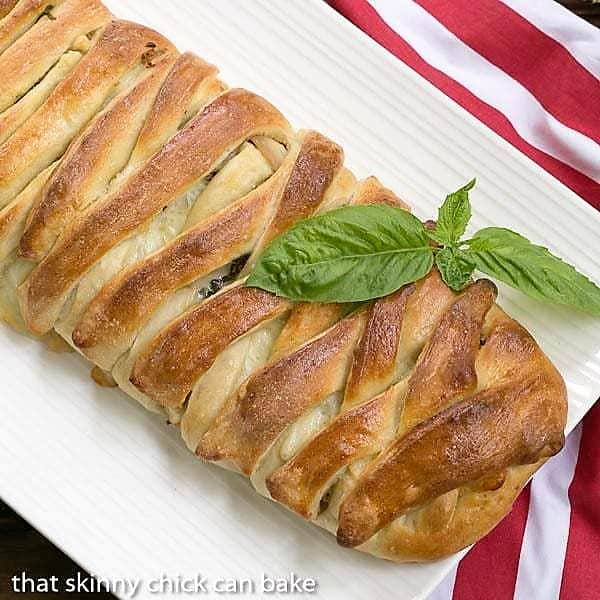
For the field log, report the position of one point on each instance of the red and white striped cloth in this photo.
(530, 70)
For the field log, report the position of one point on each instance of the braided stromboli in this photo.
(137, 191)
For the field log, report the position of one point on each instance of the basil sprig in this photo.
(358, 253)
(346, 255)
(453, 216)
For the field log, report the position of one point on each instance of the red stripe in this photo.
(563, 86)
(489, 570)
(361, 13)
(581, 579)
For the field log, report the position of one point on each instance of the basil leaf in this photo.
(532, 269)
(351, 254)
(453, 216)
(454, 267)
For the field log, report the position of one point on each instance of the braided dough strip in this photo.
(6, 6)
(43, 138)
(190, 155)
(24, 62)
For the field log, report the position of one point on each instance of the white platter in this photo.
(111, 484)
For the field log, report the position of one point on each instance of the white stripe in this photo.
(445, 590)
(547, 530)
(444, 51)
(579, 37)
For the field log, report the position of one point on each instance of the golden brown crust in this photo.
(509, 353)
(301, 483)
(173, 106)
(14, 215)
(40, 141)
(356, 433)
(449, 523)
(480, 373)
(446, 367)
(278, 394)
(370, 191)
(25, 62)
(6, 6)
(123, 305)
(180, 354)
(91, 161)
(459, 445)
(197, 149)
(517, 418)
(424, 310)
(375, 359)
(21, 19)
(319, 160)
(15, 116)
(306, 321)
(108, 326)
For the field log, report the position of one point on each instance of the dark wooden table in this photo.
(587, 9)
(24, 549)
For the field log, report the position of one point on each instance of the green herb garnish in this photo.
(358, 253)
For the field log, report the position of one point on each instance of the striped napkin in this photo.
(529, 70)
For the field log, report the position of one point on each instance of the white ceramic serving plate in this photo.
(113, 485)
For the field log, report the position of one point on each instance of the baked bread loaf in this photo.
(137, 191)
